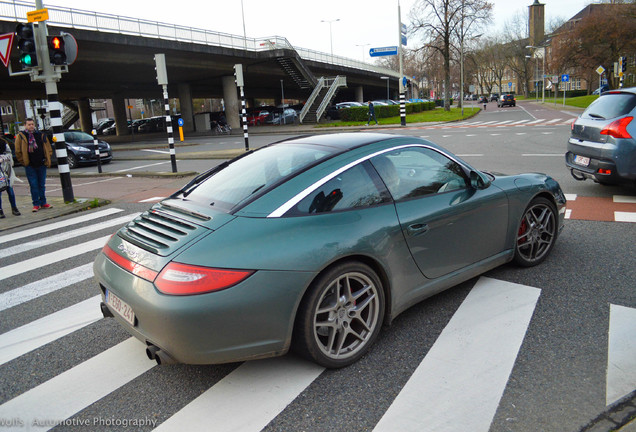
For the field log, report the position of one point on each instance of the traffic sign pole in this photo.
(401, 84)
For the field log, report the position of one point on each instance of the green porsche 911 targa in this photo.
(313, 244)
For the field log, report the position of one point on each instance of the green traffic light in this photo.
(26, 60)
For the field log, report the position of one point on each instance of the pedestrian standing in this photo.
(6, 166)
(371, 114)
(33, 150)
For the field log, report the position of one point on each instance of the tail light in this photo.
(618, 128)
(126, 264)
(185, 279)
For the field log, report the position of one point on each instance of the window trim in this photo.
(288, 205)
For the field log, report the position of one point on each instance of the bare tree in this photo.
(444, 23)
(515, 37)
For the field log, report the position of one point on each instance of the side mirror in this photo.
(477, 181)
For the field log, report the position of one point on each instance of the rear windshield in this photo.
(256, 172)
(509, 97)
(611, 105)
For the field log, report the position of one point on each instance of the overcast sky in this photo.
(363, 24)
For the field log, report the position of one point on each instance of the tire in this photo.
(537, 233)
(348, 300)
(72, 160)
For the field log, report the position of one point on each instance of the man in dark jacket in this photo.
(33, 150)
(371, 114)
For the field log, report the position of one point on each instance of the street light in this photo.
(536, 80)
(363, 50)
(543, 72)
(387, 86)
(330, 36)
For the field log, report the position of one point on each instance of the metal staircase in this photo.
(324, 92)
(296, 69)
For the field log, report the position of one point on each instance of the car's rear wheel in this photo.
(537, 232)
(341, 315)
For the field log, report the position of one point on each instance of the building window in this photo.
(7, 110)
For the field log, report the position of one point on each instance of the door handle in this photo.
(418, 228)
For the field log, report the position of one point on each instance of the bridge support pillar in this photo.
(359, 94)
(85, 117)
(232, 105)
(185, 102)
(121, 121)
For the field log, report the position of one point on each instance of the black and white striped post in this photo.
(402, 106)
(96, 150)
(238, 78)
(55, 114)
(162, 79)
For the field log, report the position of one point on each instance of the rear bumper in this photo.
(596, 170)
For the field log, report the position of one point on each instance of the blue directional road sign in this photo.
(565, 78)
(383, 51)
(180, 122)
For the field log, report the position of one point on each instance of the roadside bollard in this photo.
(96, 147)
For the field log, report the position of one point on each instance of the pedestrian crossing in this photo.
(456, 385)
(618, 208)
(499, 124)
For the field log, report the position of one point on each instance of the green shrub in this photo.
(382, 111)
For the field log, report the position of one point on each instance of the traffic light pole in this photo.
(50, 77)
(166, 102)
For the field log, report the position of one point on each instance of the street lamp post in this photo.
(542, 72)
(362, 45)
(387, 86)
(330, 34)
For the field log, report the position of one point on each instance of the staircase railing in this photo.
(339, 81)
(312, 97)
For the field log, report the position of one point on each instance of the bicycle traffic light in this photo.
(26, 45)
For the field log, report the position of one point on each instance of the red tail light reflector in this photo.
(605, 171)
(132, 267)
(618, 128)
(184, 279)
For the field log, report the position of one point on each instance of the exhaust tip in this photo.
(151, 352)
(163, 358)
(105, 311)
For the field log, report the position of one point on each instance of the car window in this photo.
(355, 188)
(610, 106)
(77, 136)
(417, 171)
(255, 172)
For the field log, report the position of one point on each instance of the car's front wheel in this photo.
(72, 160)
(537, 233)
(341, 315)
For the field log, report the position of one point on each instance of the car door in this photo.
(446, 223)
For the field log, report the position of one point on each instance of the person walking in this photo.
(33, 150)
(371, 114)
(6, 166)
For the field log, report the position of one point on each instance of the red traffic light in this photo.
(56, 42)
(57, 53)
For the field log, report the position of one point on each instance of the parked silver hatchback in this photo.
(602, 146)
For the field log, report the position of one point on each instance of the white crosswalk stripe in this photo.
(457, 386)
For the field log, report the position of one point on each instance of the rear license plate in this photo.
(121, 307)
(582, 160)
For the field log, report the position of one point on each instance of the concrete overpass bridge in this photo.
(116, 61)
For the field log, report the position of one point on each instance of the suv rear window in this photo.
(610, 105)
(508, 97)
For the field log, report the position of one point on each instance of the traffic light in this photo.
(238, 75)
(57, 53)
(26, 45)
(623, 64)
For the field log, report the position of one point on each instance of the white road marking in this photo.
(624, 199)
(157, 151)
(536, 121)
(553, 121)
(45, 286)
(621, 353)
(265, 386)
(79, 387)
(31, 336)
(24, 247)
(143, 166)
(53, 226)
(527, 112)
(624, 216)
(50, 258)
(153, 199)
(458, 385)
(568, 213)
(570, 197)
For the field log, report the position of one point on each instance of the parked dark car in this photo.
(80, 149)
(103, 124)
(333, 112)
(154, 124)
(282, 116)
(313, 244)
(506, 100)
(494, 97)
(601, 89)
(602, 144)
(257, 117)
(112, 129)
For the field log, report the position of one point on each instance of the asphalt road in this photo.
(78, 369)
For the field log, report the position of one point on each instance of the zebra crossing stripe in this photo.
(553, 121)
(621, 353)
(31, 336)
(458, 385)
(45, 286)
(24, 247)
(53, 226)
(536, 121)
(70, 392)
(50, 258)
(266, 386)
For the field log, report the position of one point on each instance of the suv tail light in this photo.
(618, 128)
(185, 279)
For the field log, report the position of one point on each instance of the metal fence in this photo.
(16, 10)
